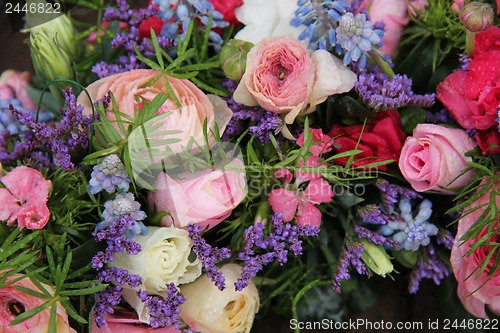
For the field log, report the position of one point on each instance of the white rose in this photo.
(215, 311)
(164, 259)
(264, 18)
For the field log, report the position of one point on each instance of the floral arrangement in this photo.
(191, 164)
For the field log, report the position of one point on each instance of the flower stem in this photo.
(469, 42)
(384, 66)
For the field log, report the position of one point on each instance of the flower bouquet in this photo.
(193, 165)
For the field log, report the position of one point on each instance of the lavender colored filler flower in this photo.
(127, 41)
(68, 135)
(281, 236)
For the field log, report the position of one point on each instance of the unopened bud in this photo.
(233, 58)
(477, 16)
(49, 59)
(375, 257)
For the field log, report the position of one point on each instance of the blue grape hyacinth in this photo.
(411, 232)
(109, 175)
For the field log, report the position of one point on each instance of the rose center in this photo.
(16, 308)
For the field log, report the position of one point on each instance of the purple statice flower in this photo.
(381, 93)
(111, 296)
(429, 266)
(68, 135)
(23, 146)
(351, 256)
(114, 234)
(412, 232)
(105, 300)
(465, 60)
(126, 41)
(445, 238)
(374, 237)
(262, 122)
(356, 36)
(281, 236)
(209, 255)
(163, 312)
(443, 116)
(391, 193)
(373, 214)
(109, 175)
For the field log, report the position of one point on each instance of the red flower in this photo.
(152, 22)
(226, 8)
(473, 96)
(382, 140)
(485, 139)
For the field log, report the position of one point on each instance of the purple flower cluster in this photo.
(351, 256)
(264, 122)
(109, 175)
(111, 296)
(374, 237)
(373, 214)
(164, 312)
(381, 93)
(445, 238)
(24, 145)
(68, 135)
(429, 266)
(209, 255)
(275, 243)
(442, 116)
(114, 233)
(127, 40)
(391, 193)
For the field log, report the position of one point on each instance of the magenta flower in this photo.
(25, 198)
(287, 200)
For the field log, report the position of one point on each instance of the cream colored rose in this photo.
(216, 311)
(164, 259)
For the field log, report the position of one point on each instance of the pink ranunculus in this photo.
(465, 267)
(292, 199)
(434, 156)
(13, 85)
(14, 302)
(196, 106)
(127, 321)
(25, 198)
(324, 147)
(281, 77)
(205, 197)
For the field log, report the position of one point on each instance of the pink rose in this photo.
(434, 156)
(25, 198)
(126, 321)
(196, 106)
(13, 85)
(323, 147)
(14, 302)
(465, 267)
(281, 77)
(205, 197)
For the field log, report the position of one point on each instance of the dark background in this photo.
(395, 304)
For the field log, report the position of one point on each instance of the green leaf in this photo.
(411, 117)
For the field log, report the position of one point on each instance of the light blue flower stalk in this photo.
(413, 232)
(109, 175)
(124, 204)
(180, 13)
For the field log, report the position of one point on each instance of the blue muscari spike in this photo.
(347, 58)
(166, 15)
(322, 44)
(304, 34)
(215, 37)
(332, 36)
(296, 21)
(334, 15)
(302, 2)
(217, 15)
(182, 12)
